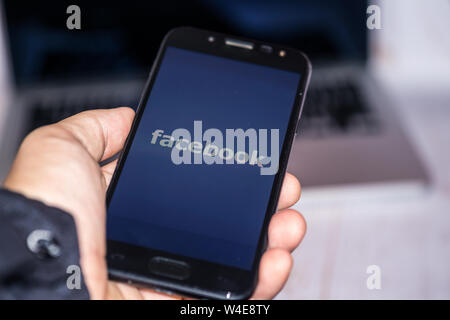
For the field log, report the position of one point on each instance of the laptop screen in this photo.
(119, 40)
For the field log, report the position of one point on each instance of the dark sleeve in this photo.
(39, 257)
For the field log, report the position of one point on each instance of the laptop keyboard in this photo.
(328, 110)
(44, 112)
(336, 109)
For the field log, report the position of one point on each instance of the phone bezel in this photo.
(129, 263)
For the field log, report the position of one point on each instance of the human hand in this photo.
(59, 165)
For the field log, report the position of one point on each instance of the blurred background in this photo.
(373, 145)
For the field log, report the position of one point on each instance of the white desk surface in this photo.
(408, 237)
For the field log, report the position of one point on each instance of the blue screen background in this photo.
(209, 212)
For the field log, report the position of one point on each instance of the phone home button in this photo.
(170, 268)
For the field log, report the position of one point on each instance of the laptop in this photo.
(348, 133)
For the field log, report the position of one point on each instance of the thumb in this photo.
(102, 132)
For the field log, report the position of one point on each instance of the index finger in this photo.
(290, 192)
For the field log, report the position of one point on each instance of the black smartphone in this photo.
(201, 171)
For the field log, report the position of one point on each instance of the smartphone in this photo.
(201, 171)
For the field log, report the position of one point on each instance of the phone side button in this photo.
(297, 128)
(170, 268)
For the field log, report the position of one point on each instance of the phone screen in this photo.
(184, 188)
